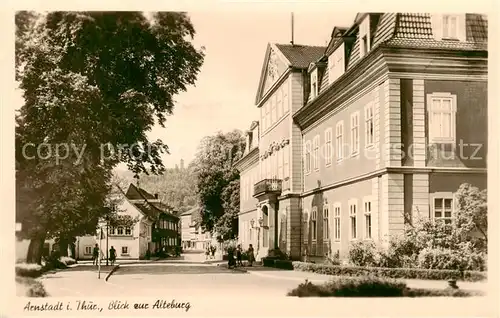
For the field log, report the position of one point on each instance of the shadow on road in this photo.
(165, 270)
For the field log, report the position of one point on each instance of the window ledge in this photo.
(370, 146)
(355, 154)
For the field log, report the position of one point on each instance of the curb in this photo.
(115, 268)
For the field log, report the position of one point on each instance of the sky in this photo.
(223, 97)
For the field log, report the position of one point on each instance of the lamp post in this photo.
(99, 256)
(261, 223)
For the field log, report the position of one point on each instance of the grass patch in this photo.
(30, 287)
(371, 287)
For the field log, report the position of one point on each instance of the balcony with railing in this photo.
(267, 186)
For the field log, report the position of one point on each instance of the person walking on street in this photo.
(207, 252)
(112, 255)
(95, 255)
(251, 256)
(239, 256)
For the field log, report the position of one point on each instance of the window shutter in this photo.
(437, 26)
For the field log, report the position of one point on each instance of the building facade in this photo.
(362, 136)
(155, 228)
(193, 238)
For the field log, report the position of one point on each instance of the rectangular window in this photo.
(280, 164)
(88, 250)
(326, 222)
(450, 26)
(368, 218)
(128, 231)
(272, 100)
(279, 103)
(316, 152)
(339, 138)
(328, 146)
(119, 230)
(443, 208)
(442, 117)
(336, 219)
(268, 115)
(314, 83)
(263, 116)
(286, 105)
(369, 128)
(307, 160)
(314, 223)
(336, 65)
(353, 207)
(364, 36)
(355, 133)
(286, 162)
(124, 250)
(305, 219)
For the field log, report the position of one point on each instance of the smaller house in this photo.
(155, 228)
(192, 235)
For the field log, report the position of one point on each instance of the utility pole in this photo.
(107, 243)
(100, 253)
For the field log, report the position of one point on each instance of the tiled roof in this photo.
(414, 25)
(418, 26)
(300, 56)
(433, 44)
(477, 28)
(135, 193)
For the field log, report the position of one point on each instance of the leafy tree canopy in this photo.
(91, 79)
(217, 182)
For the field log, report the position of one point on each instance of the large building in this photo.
(362, 136)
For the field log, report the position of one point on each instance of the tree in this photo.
(472, 214)
(175, 187)
(95, 82)
(218, 181)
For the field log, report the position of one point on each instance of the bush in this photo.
(283, 264)
(371, 287)
(29, 287)
(362, 253)
(349, 287)
(439, 258)
(407, 273)
(29, 270)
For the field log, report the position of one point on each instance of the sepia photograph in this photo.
(284, 154)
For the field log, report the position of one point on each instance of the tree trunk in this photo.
(63, 246)
(35, 250)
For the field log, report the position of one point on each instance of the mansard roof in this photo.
(299, 56)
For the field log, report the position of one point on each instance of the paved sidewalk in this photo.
(321, 278)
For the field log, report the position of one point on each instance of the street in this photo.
(152, 279)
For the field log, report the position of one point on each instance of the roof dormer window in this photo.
(364, 36)
(314, 83)
(448, 26)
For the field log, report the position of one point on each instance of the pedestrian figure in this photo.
(207, 252)
(95, 255)
(230, 257)
(239, 256)
(213, 249)
(251, 256)
(112, 255)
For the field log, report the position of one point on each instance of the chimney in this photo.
(292, 41)
(156, 196)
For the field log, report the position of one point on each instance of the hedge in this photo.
(371, 287)
(355, 271)
(29, 270)
(406, 273)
